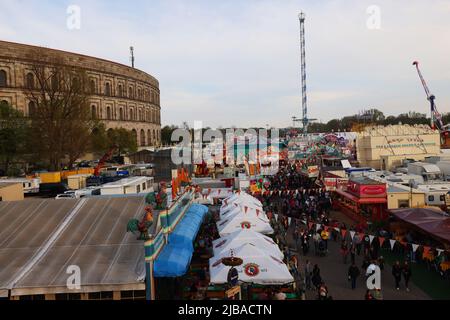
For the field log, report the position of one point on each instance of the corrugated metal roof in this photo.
(40, 239)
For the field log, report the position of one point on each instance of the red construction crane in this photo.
(436, 118)
(105, 158)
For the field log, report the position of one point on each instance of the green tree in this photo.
(124, 139)
(166, 134)
(61, 121)
(13, 136)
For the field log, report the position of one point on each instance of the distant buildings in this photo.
(121, 96)
(385, 147)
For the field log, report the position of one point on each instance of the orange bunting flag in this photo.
(343, 232)
(426, 251)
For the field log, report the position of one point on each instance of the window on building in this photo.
(442, 198)
(93, 112)
(139, 94)
(55, 82)
(120, 90)
(131, 93)
(92, 86)
(31, 109)
(121, 117)
(149, 138)
(403, 203)
(135, 135)
(138, 188)
(142, 138)
(107, 89)
(3, 78)
(30, 80)
(131, 114)
(108, 113)
(430, 198)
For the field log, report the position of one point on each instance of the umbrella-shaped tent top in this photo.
(242, 198)
(241, 237)
(239, 221)
(258, 267)
(244, 210)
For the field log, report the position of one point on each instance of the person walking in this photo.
(323, 291)
(397, 273)
(308, 274)
(353, 254)
(316, 239)
(305, 243)
(406, 274)
(316, 278)
(344, 251)
(353, 274)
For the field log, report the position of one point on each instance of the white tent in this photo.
(243, 199)
(232, 210)
(241, 237)
(257, 267)
(239, 221)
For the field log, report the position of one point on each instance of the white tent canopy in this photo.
(245, 211)
(242, 198)
(239, 221)
(244, 236)
(258, 267)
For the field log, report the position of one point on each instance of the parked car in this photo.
(65, 196)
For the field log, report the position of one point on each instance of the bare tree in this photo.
(61, 121)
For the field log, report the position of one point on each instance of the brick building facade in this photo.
(121, 96)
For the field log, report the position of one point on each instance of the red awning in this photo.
(361, 200)
(430, 220)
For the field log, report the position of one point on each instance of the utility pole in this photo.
(132, 56)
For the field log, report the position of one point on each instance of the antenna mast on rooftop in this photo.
(132, 56)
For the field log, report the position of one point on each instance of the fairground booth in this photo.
(363, 200)
(430, 228)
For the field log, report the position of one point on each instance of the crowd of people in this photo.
(308, 205)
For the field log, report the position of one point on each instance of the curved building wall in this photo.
(123, 97)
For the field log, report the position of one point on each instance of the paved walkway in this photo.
(334, 274)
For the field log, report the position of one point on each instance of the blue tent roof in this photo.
(172, 262)
(174, 259)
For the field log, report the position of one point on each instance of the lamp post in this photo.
(233, 277)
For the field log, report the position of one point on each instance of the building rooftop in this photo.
(4, 184)
(41, 238)
(125, 182)
(365, 180)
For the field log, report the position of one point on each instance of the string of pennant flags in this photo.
(343, 232)
(361, 235)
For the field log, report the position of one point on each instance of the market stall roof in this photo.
(40, 239)
(244, 236)
(430, 220)
(186, 231)
(243, 210)
(258, 267)
(241, 221)
(241, 198)
(361, 200)
(175, 258)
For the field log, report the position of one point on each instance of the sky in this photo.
(237, 63)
